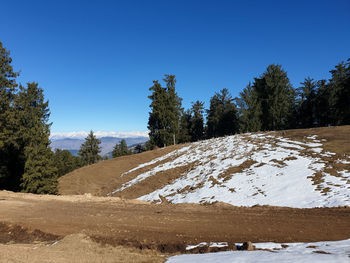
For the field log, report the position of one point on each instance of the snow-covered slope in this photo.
(251, 169)
(336, 251)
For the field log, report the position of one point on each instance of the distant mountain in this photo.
(98, 134)
(74, 142)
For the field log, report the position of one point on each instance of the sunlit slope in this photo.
(296, 168)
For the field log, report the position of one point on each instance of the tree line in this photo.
(269, 102)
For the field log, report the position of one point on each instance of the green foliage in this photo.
(249, 110)
(121, 149)
(164, 118)
(139, 148)
(339, 90)
(222, 116)
(306, 103)
(185, 126)
(197, 121)
(65, 162)
(323, 115)
(277, 98)
(11, 160)
(40, 173)
(90, 149)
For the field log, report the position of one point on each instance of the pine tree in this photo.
(185, 127)
(339, 100)
(222, 115)
(120, 149)
(40, 173)
(164, 118)
(173, 106)
(197, 121)
(139, 148)
(323, 114)
(157, 122)
(9, 161)
(249, 110)
(277, 98)
(65, 162)
(307, 103)
(90, 149)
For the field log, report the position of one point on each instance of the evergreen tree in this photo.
(277, 98)
(164, 118)
(120, 149)
(249, 110)
(185, 127)
(339, 100)
(90, 149)
(222, 116)
(307, 103)
(197, 121)
(10, 171)
(323, 114)
(173, 107)
(65, 162)
(40, 173)
(139, 148)
(157, 122)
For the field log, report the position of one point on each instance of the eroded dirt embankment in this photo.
(169, 228)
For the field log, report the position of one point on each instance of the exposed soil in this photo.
(17, 234)
(169, 228)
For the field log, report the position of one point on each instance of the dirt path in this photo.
(169, 228)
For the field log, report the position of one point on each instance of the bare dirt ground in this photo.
(156, 230)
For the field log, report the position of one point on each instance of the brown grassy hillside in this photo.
(102, 178)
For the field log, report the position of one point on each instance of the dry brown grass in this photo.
(104, 177)
(75, 248)
(157, 181)
(228, 173)
(337, 138)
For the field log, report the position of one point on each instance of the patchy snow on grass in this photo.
(250, 169)
(327, 251)
(211, 244)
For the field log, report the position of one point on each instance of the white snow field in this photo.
(253, 169)
(332, 251)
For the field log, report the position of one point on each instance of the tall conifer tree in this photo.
(197, 121)
(249, 110)
(164, 118)
(222, 116)
(277, 98)
(339, 100)
(90, 149)
(10, 164)
(40, 173)
(306, 103)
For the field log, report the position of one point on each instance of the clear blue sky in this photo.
(96, 60)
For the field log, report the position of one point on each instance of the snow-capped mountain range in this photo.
(73, 140)
(99, 134)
